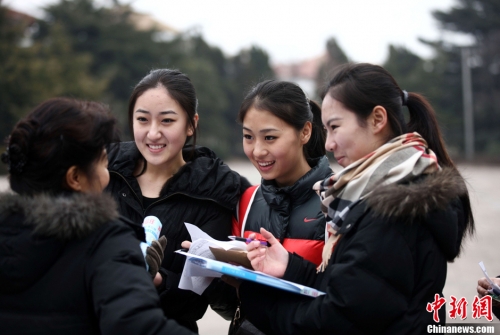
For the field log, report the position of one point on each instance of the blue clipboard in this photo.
(246, 274)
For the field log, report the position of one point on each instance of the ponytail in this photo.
(316, 146)
(423, 121)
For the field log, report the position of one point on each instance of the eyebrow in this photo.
(161, 113)
(333, 119)
(262, 131)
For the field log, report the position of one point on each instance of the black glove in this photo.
(154, 255)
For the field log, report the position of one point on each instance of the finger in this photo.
(253, 245)
(268, 236)
(186, 244)
(158, 248)
(163, 242)
(152, 255)
(158, 279)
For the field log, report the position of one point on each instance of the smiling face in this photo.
(274, 147)
(160, 128)
(346, 138)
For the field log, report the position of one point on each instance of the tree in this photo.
(334, 56)
(481, 20)
(33, 73)
(244, 70)
(438, 79)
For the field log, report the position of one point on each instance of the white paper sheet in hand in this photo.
(193, 277)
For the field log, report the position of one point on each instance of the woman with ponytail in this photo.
(396, 214)
(284, 139)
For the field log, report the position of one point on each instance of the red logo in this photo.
(482, 307)
(435, 306)
(309, 220)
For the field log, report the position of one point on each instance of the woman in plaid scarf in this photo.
(396, 213)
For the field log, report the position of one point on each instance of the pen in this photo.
(248, 240)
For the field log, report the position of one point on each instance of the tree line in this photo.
(83, 50)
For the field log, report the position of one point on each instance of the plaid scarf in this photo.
(400, 160)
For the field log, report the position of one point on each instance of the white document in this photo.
(193, 277)
(207, 265)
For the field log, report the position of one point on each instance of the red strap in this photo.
(242, 209)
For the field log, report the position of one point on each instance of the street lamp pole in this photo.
(468, 106)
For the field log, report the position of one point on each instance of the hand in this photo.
(154, 255)
(483, 286)
(186, 244)
(271, 260)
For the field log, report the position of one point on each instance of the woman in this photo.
(397, 213)
(284, 139)
(158, 175)
(68, 265)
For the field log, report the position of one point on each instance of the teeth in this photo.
(265, 163)
(155, 147)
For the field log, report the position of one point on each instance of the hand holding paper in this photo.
(488, 286)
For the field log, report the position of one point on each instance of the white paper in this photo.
(492, 284)
(193, 277)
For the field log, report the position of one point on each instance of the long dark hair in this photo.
(361, 86)
(179, 87)
(57, 134)
(287, 101)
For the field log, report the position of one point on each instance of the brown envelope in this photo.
(233, 256)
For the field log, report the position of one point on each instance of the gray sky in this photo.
(294, 30)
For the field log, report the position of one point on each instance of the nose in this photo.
(154, 132)
(259, 150)
(330, 144)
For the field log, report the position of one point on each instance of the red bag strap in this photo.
(243, 207)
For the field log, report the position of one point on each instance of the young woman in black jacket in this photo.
(68, 263)
(396, 213)
(158, 174)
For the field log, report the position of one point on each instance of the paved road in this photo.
(484, 187)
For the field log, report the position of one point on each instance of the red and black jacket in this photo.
(292, 213)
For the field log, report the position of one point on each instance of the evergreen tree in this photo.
(481, 20)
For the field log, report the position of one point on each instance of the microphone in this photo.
(152, 228)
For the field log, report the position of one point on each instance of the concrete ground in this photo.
(484, 188)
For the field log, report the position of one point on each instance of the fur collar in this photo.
(64, 217)
(418, 198)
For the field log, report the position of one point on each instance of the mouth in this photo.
(264, 166)
(156, 146)
(340, 158)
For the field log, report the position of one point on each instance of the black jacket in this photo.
(389, 263)
(69, 266)
(204, 192)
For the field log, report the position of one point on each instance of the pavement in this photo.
(484, 187)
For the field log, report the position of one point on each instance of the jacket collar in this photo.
(433, 201)
(299, 192)
(203, 176)
(65, 217)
